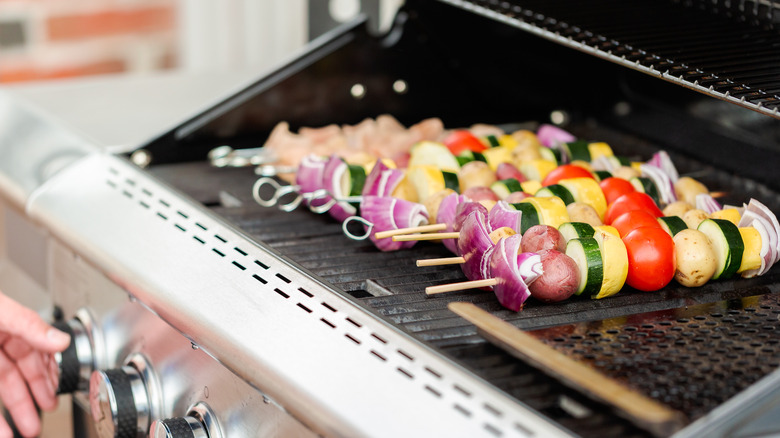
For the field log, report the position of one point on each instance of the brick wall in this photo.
(44, 39)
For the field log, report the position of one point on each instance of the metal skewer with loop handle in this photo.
(226, 156)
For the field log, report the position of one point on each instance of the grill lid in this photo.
(726, 49)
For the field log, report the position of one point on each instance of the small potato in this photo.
(500, 233)
(480, 193)
(677, 208)
(625, 172)
(581, 212)
(541, 237)
(526, 138)
(559, 280)
(475, 174)
(695, 259)
(687, 188)
(525, 153)
(694, 217)
(432, 203)
(516, 197)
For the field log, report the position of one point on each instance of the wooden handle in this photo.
(441, 261)
(429, 236)
(643, 411)
(452, 287)
(410, 230)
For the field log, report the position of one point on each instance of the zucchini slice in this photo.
(587, 255)
(505, 187)
(577, 150)
(451, 180)
(576, 230)
(672, 224)
(728, 245)
(646, 185)
(529, 217)
(556, 190)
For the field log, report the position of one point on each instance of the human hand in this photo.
(28, 370)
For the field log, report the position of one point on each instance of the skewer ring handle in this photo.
(320, 194)
(361, 220)
(279, 191)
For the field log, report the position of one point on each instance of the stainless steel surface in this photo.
(184, 427)
(203, 413)
(48, 149)
(262, 317)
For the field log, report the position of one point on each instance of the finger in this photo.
(35, 371)
(5, 430)
(20, 321)
(16, 398)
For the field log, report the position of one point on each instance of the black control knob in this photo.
(119, 402)
(77, 362)
(181, 427)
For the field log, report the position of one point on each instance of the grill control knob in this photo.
(181, 427)
(119, 402)
(78, 360)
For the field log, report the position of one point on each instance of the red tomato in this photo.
(631, 201)
(651, 263)
(614, 188)
(462, 140)
(566, 171)
(631, 220)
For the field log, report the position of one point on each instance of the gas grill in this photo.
(194, 308)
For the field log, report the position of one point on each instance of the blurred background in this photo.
(51, 39)
(118, 72)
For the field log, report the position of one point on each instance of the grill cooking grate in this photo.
(392, 287)
(727, 49)
(692, 359)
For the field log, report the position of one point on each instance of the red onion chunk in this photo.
(387, 213)
(551, 136)
(661, 180)
(502, 215)
(446, 215)
(511, 288)
(763, 211)
(662, 161)
(707, 203)
(474, 240)
(463, 210)
(310, 173)
(604, 163)
(382, 180)
(769, 238)
(331, 181)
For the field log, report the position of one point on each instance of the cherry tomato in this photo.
(631, 220)
(565, 171)
(614, 188)
(462, 140)
(631, 201)
(651, 263)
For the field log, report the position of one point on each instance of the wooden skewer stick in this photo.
(441, 261)
(718, 194)
(646, 412)
(452, 287)
(410, 230)
(427, 236)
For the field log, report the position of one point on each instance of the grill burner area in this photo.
(677, 345)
